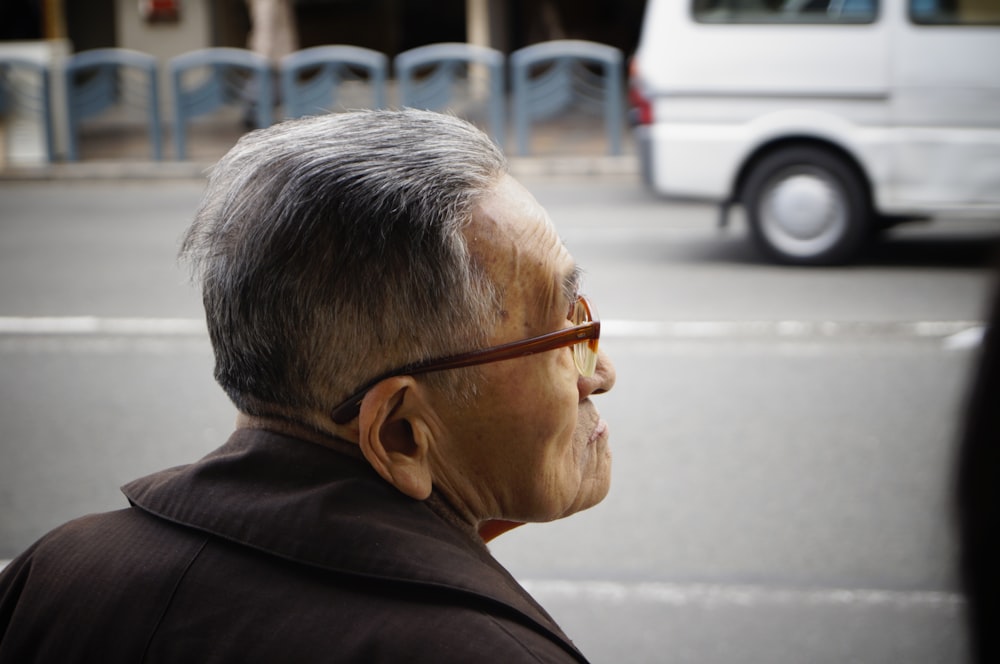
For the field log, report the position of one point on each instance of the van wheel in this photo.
(806, 206)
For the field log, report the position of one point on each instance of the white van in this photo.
(827, 120)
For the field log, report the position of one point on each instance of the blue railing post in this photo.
(333, 65)
(567, 83)
(87, 97)
(37, 100)
(219, 87)
(448, 63)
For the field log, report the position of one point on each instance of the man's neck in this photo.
(300, 430)
(483, 532)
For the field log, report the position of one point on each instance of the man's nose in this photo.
(603, 379)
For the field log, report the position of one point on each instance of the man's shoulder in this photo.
(92, 588)
(463, 633)
(282, 561)
(108, 542)
(95, 559)
(256, 607)
(118, 583)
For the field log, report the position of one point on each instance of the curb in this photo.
(626, 165)
(109, 170)
(574, 166)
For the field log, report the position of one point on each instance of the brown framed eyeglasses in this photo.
(583, 337)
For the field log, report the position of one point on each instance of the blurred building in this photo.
(167, 27)
(48, 31)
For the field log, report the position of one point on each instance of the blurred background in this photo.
(786, 418)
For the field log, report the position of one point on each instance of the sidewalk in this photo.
(571, 145)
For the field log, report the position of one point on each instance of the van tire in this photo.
(806, 206)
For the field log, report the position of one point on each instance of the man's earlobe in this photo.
(392, 440)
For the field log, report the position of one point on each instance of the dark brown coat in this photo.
(271, 549)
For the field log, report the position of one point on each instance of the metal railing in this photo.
(547, 80)
(99, 79)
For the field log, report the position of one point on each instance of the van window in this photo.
(788, 11)
(955, 12)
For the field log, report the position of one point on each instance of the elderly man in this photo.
(402, 333)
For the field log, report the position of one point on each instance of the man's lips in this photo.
(600, 430)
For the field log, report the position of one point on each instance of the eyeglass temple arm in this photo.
(350, 408)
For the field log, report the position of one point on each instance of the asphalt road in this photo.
(783, 437)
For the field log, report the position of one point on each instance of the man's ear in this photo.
(391, 436)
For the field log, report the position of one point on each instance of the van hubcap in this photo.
(802, 207)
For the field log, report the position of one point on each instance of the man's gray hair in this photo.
(330, 250)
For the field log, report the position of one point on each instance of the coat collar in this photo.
(313, 505)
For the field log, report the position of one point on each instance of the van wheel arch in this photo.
(807, 203)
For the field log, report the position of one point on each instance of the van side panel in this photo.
(916, 106)
(720, 91)
(703, 159)
(946, 105)
(682, 56)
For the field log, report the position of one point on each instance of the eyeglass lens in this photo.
(585, 352)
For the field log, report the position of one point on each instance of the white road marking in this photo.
(614, 327)
(54, 325)
(720, 595)
(953, 334)
(969, 338)
(717, 595)
(786, 329)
